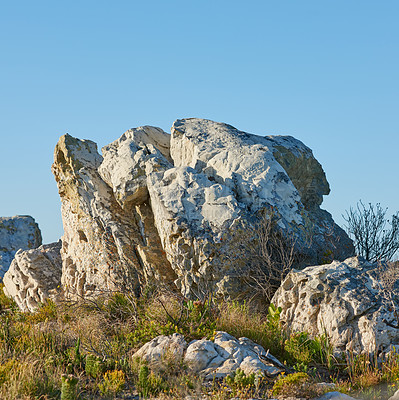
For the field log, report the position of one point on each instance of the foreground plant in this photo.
(113, 382)
(69, 387)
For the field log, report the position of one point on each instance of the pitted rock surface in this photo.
(34, 276)
(342, 300)
(20, 232)
(211, 359)
(158, 349)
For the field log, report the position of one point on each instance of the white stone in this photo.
(209, 358)
(342, 300)
(158, 349)
(19, 232)
(34, 276)
(221, 178)
(123, 166)
(202, 355)
(395, 396)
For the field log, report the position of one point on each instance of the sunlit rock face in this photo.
(101, 238)
(19, 232)
(211, 359)
(167, 207)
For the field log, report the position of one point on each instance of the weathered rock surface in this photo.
(222, 180)
(19, 232)
(34, 276)
(167, 207)
(158, 349)
(395, 396)
(343, 300)
(102, 239)
(335, 396)
(211, 359)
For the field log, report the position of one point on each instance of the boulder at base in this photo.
(19, 232)
(343, 300)
(211, 359)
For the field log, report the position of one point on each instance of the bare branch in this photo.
(375, 237)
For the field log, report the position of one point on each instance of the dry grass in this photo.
(36, 349)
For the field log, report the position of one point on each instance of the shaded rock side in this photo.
(211, 359)
(342, 300)
(104, 244)
(19, 232)
(34, 276)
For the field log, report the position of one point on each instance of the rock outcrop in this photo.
(343, 300)
(168, 207)
(102, 240)
(34, 276)
(19, 232)
(211, 359)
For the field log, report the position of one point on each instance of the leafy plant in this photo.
(298, 384)
(148, 383)
(94, 367)
(240, 383)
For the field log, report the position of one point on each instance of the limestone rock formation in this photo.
(102, 240)
(211, 359)
(342, 300)
(168, 207)
(34, 276)
(19, 232)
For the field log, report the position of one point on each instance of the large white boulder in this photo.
(221, 181)
(169, 208)
(19, 232)
(342, 300)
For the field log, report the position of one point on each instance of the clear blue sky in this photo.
(325, 72)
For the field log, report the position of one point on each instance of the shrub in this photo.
(242, 384)
(270, 253)
(148, 383)
(113, 382)
(375, 237)
(298, 384)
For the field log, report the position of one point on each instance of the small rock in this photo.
(155, 351)
(335, 396)
(395, 396)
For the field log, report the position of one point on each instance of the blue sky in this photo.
(325, 72)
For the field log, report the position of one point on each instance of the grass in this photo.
(84, 350)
